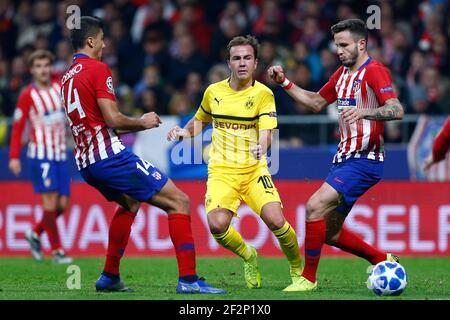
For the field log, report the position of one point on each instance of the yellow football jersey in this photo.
(237, 117)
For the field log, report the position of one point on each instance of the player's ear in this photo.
(90, 42)
(362, 44)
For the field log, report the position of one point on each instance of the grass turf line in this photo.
(156, 278)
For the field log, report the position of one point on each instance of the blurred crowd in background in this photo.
(164, 53)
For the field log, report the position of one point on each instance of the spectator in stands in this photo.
(194, 88)
(432, 95)
(180, 104)
(187, 59)
(216, 73)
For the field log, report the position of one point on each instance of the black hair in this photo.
(357, 28)
(89, 27)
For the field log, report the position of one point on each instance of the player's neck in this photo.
(359, 62)
(237, 85)
(42, 85)
(85, 52)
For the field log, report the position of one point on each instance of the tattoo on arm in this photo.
(392, 110)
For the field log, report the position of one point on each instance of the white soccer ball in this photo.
(387, 279)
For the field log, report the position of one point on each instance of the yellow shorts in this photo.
(228, 190)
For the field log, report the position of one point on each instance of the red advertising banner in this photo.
(407, 218)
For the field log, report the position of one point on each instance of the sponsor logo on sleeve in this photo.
(386, 89)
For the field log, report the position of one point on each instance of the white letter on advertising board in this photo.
(359, 227)
(95, 216)
(14, 227)
(414, 233)
(136, 230)
(444, 227)
(386, 227)
(154, 242)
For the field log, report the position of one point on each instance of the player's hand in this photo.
(276, 73)
(256, 151)
(15, 166)
(150, 120)
(352, 114)
(177, 133)
(428, 163)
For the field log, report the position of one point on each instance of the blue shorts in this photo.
(352, 178)
(124, 173)
(50, 176)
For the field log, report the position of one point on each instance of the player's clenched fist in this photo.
(256, 151)
(176, 133)
(276, 73)
(150, 120)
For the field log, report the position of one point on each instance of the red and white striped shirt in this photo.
(83, 83)
(368, 87)
(44, 110)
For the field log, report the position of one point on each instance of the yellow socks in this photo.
(232, 240)
(289, 245)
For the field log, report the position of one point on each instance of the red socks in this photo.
(119, 233)
(350, 242)
(183, 242)
(48, 224)
(39, 228)
(314, 240)
(180, 233)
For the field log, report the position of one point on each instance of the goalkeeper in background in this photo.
(243, 115)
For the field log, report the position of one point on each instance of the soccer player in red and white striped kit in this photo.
(121, 176)
(365, 98)
(40, 105)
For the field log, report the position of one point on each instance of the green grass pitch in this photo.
(156, 278)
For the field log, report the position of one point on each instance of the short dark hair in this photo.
(40, 54)
(357, 28)
(89, 27)
(242, 41)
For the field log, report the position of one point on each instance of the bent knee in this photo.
(314, 209)
(181, 203)
(276, 224)
(218, 224)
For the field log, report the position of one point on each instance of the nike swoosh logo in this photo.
(338, 180)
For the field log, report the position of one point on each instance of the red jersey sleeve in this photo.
(442, 142)
(19, 120)
(379, 79)
(328, 91)
(103, 83)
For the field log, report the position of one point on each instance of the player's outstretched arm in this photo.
(191, 129)
(440, 147)
(391, 110)
(117, 120)
(311, 100)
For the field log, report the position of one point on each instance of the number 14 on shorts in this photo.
(145, 166)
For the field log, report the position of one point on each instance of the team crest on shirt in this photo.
(47, 182)
(356, 85)
(250, 103)
(109, 84)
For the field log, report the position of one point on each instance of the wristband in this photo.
(286, 84)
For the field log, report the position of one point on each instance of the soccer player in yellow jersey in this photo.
(243, 115)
